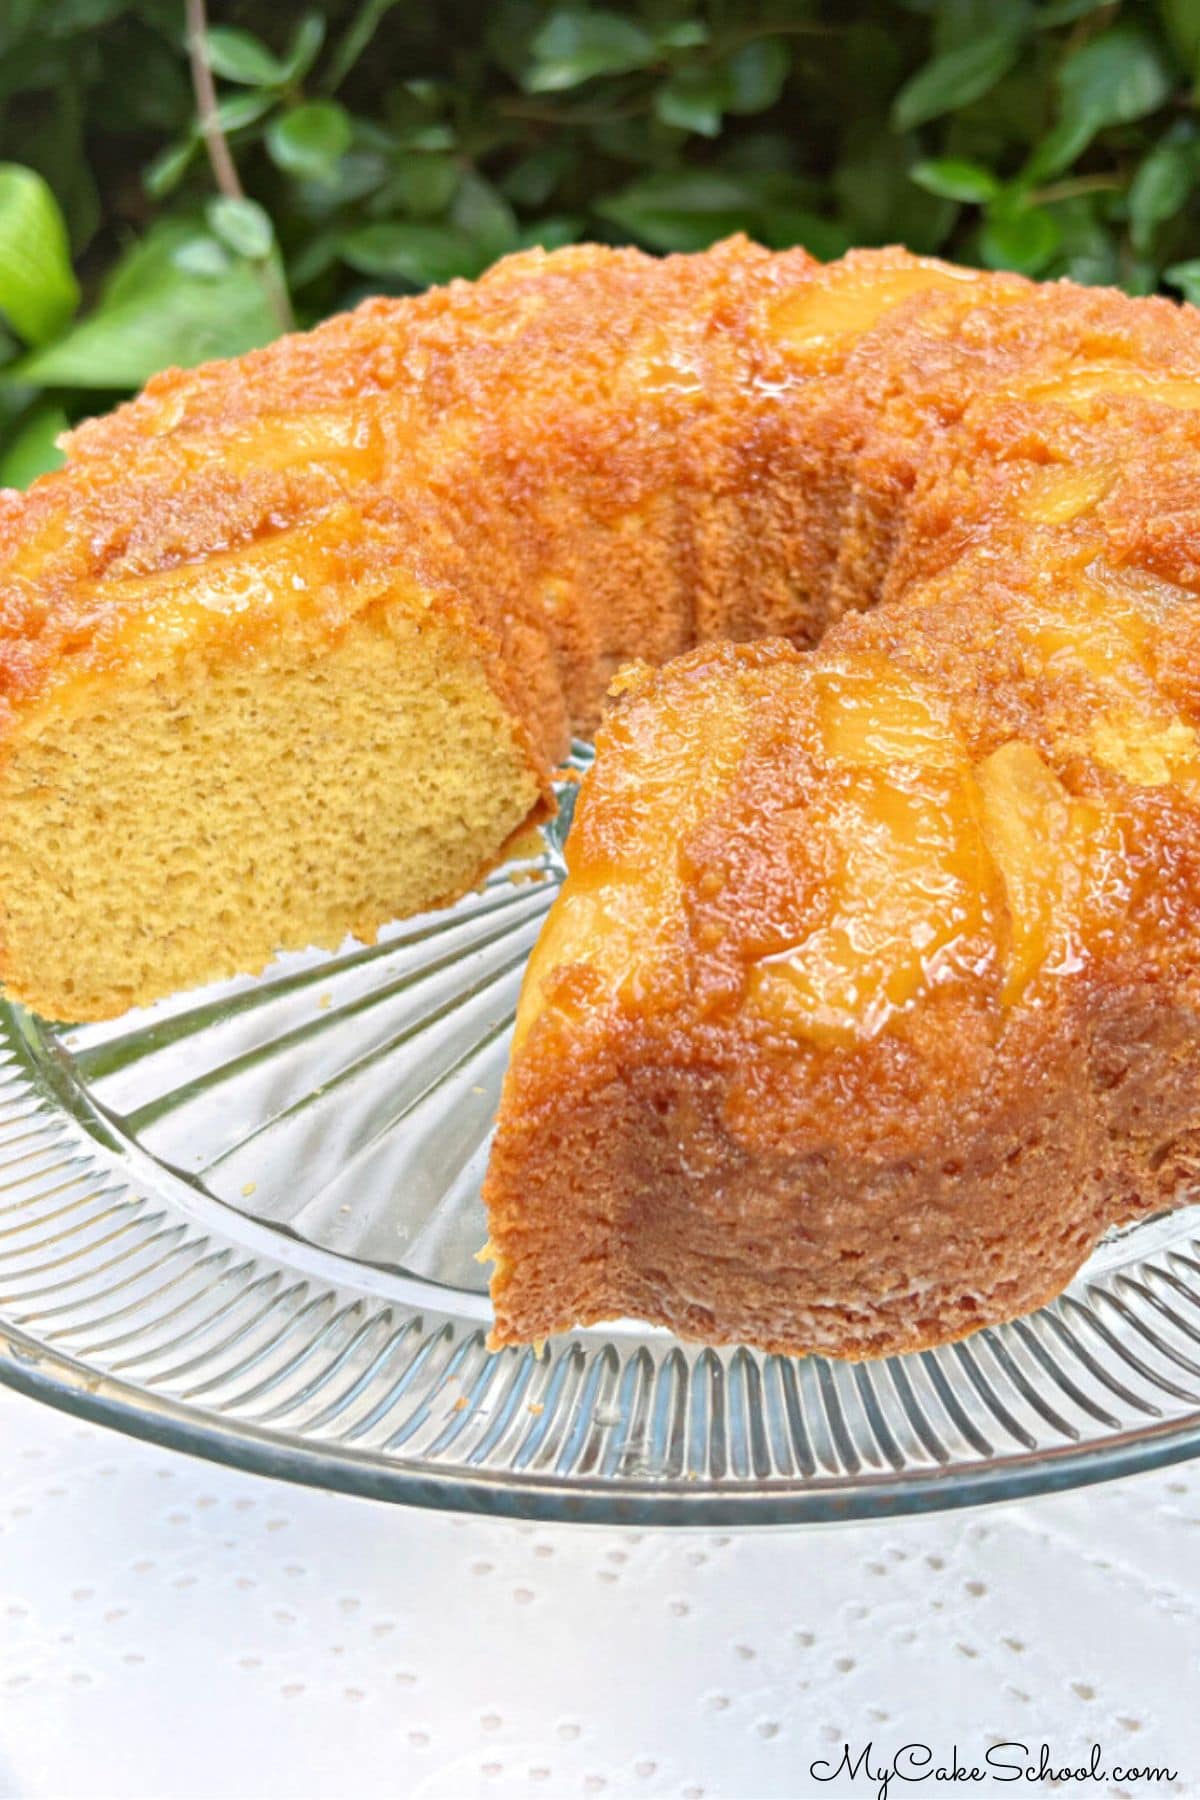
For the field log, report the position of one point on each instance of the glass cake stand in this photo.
(244, 1223)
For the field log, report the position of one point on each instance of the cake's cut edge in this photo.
(235, 782)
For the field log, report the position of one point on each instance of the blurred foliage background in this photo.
(179, 182)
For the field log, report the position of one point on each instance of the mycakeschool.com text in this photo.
(886, 1773)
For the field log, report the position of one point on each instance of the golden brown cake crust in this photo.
(546, 413)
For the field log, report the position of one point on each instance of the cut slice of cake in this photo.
(294, 741)
(848, 1031)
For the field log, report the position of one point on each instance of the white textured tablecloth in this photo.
(173, 1629)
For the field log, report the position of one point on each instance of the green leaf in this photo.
(423, 255)
(38, 290)
(1115, 78)
(1065, 12)
(428, 137)
(422, 185)
(153, 314)
(68, 16)
(484, 216)
(681, 212)
(1182, 21)
(55, 147)
(1098, 269)
(531, 181)
(1088, 251)
(1060, 147)
(952, 81)
(573, 47)
(784, 226)
(879, 204)
(755, 74)
(1159, 189)
(162, 176)
(310, 139)
(765, 151)
(359, 176)
(355, 38)
(201, 255)
(318, 253)
(239, 110)
(628, 138)
(1186, 277)
(426, 92)
(693, 100)
(956, 179)
(304, 48)
(32, 447)
(1025, 241)
(237, 55)
(959, 22)
(1139, 276)
(18, 21)
(242, 225)
(682, 34)
(507, 27)
(748, 81)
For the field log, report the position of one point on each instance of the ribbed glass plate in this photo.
(244, 1222)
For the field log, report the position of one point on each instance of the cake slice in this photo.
(293, 741)
(858, 1017)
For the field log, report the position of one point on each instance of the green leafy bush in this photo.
(174, 187)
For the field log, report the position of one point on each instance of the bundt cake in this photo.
(870, 999)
